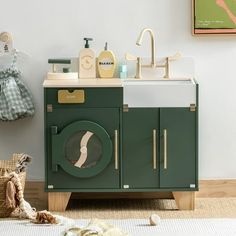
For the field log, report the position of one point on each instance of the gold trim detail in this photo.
(65, 96)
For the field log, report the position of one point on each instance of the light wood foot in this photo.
(57, 201)
(185, 200)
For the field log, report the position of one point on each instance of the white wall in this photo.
(55, 28)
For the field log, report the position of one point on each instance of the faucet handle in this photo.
(175, 57)
(130, 57)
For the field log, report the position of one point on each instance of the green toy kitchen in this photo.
(108, 132)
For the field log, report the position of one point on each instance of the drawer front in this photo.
(84, 97)
(65, 96)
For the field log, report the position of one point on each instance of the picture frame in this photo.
(213, 17)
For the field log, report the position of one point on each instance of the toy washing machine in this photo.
(82, 137)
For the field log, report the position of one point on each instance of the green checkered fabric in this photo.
(15, 99)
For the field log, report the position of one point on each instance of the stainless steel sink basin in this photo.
(159, 92)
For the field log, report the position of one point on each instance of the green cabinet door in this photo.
(140, 129)
(71, 133)
(178, 148)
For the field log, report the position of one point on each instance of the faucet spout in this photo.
(153, 51)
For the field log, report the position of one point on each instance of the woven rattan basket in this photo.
(7, 166)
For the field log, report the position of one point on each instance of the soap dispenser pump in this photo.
(87, 61)
(106, 63)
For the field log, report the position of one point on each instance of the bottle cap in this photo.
(87, 42)
(105, 48)
(123, 68)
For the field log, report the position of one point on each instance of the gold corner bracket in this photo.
(49, 108)
(125, 108)
(192, 107)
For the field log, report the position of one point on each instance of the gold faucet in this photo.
(153, 50)
(153, 63)
(153, 54)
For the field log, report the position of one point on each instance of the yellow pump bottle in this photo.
(106, 63)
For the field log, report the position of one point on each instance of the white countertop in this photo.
(114, 82)
(179, 92)
(55, 83)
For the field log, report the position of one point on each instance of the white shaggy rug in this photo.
(135, 227)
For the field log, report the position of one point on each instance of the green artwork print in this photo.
(215, 16)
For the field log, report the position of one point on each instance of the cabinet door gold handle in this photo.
(116, 150)
(154, 135)
(165, 149)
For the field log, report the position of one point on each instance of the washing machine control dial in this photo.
(83, 149)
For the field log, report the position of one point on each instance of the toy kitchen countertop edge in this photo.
(82, 83)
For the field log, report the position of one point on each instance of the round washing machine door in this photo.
(82, 149)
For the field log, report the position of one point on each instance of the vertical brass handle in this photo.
(154, 138)
(116, 150)
(165, 149)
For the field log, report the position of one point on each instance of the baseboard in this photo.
(217, 188)
(34, 192)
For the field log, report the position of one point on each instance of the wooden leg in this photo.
(185, 200)
(57, 201)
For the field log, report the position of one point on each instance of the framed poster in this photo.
(214, 16)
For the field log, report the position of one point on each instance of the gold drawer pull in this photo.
(165, 149)
(154, 137)
(116, 150)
